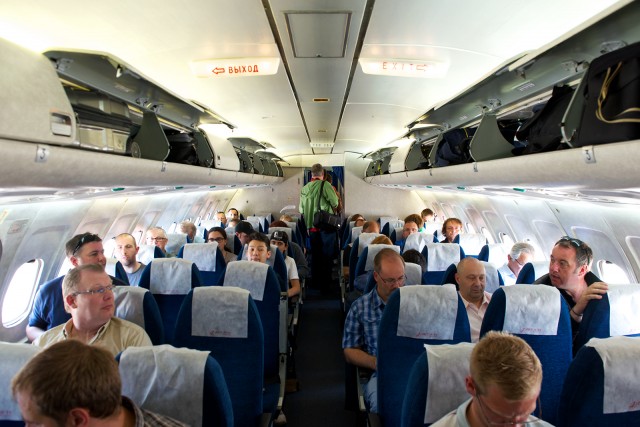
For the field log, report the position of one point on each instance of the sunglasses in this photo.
(86, 238)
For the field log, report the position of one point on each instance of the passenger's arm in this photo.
(593, 291)
(294, 288)
(361, 358)
(34, 332)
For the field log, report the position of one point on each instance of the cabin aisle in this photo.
(319, 366)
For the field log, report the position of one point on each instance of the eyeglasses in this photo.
(399, 280)
(521, 264)
(575, 242)
(156, 239)
(99, 291)
(217, 239)
(86, 238)
(530, 418)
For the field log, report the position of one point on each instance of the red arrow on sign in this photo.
(218, 70)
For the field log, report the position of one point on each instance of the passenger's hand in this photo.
(594, 291)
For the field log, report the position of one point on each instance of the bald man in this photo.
(472, 280)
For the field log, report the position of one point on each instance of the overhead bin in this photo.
(380, 160)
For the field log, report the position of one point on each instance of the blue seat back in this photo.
(148, 253)
(241, 358)
(471, 243)
(207, 258)
(411, 270)
(439, 257)
(495, 253)
(397, 354)
(554, 351)
(346, 234)
(359, 244)
(591, 374)
(14, 357)
(174, 242)
(169, 280)
(532, 271)
(114, 268)
(365, 260)
(192, 375)
(493, 277)
(138, 305)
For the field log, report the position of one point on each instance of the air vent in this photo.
(322, 145)
(321, 100)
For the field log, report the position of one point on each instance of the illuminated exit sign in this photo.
(237, 67)
(403, 67)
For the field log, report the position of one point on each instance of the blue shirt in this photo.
(361, 325)
(401, 243)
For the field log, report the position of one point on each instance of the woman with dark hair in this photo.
(218, 235)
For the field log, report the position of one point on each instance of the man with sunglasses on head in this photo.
(89, 297)
(569, 271)
(520, 254)
(48, 307)
(504, 382)
(360, 340)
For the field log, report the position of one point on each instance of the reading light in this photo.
(235, 67)
(404, 68)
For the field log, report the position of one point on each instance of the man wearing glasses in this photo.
(88, 296)
(569, 271)
(157, 236)
(520, 254)
(504, 383)
(360, 340)
(472, 280)
(48, 307)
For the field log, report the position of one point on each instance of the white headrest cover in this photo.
(365, 239)
(146, 254)
(220, 312)
(385, 219)
(175, 242)
(531, 310)
(14, 357)
(203, 255)
(448, 366)
(209, 223)
(415, 241)
(373, 251)
(255, 222)
(292, 225)
(285, 229)
(498, 254)
(129, 304)
(442, 255)
(624, 316)
(166, 380)
(472, 243)
(355, 233)
(110, 267)
(491, 274)
(394, 223)
(413, 273)
(247, 275)
(170, 276)
(621, 373)
(431, 227)
(428, 312)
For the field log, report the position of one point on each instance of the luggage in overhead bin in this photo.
(102, 123)
(610, 98)
(183, 148)
(453, 148)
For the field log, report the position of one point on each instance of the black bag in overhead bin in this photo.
(453, 149)
(183, 149)
(611, 110)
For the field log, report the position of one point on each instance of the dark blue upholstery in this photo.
(397, 354)
(140, 300)
(353, 261)
(450, 276)
(209, 278)
(276, 261)
(583, 393)
(241, 359)
(14, 356)
(484, 253)
(362, 260)
(217, 409)
(169, 305)
(434, 277)
(532, 271)
(120, 273)
(346, 234)
(554, 352)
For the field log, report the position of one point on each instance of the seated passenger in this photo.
(504, 382)
(258, 247)
(358, 220)
(381, 240)
(371, 227)
(190, 229)
(48, 308)
(360, 340)
(298, 252)
(157, 236)
(569, 271)
(360, 282)
(220, 216)
(412, 224)
(219, 235)
(427, 215)
(520, 254)
(126, 251)
(243, 230)
(280, 239)
(451, 228)
(415, 257)
(471, 281)
(88, 296)
(233, 213)
(286, 218)
(73, 383)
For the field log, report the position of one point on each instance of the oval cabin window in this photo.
(470, 228)
(487, 234)
(21, 291)
(611, 272)
(506, 239)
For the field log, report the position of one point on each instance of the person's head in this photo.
(328, 177)
(451, 228)
(388, 272)
(88, 296)
(371, 227)
(218, 235)
(279, 223)
(317, 171)
(286, 218)
(412, 224)
(126, 249)
(504, 378)
(358, 220)
(426, 215)
(233, 213)
(382, 240)
(188, 228)
(68, 382)
(415, 257)
(259, 247)
(280, 239)
(471, 279)
(85, 248)
(157, 236)
(570, 261)
(243, 230)
(520, 254)
(220, 216)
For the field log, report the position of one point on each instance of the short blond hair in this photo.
(382, 240)
(507, 362)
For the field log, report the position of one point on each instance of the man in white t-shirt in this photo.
(280, 239)
(520, 254)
